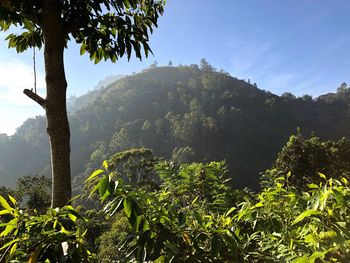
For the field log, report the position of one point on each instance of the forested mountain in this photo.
(187, 113)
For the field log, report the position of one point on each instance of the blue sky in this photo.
(297, 46)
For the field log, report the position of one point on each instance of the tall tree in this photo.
(106, 29)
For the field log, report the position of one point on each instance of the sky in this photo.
(297, 46)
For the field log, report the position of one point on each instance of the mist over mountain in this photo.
(187, 113)
(75, 103)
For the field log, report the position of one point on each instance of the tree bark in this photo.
(55, 102)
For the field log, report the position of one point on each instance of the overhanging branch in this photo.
(11, 10)
(35, 97)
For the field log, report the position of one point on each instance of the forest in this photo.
(187, 113)
(229, 172)
(171, 164)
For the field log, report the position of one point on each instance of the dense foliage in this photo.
(305, 157)
(188, 113)
(51, 237)
(193, 215)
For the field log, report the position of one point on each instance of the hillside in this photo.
(187, 113)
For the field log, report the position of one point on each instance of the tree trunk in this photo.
(55, 102)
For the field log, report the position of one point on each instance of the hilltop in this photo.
(187, 113)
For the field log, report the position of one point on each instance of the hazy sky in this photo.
(298, 46)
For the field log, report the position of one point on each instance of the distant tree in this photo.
(35, 192)
(288, 95)
(122, 140)
(343, 87)
(307, 98)
(194, 67)
(170, 63)
(205, 66)
(154, 64)
(304, 158)
(104, 29)
(135, 167)
(183, 155)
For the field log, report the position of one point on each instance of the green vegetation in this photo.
(181, 206)
(193, 215)
(189, 113)
(41, 238)
(104, 29)
(304, 158)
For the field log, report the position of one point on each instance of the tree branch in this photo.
(35, 97)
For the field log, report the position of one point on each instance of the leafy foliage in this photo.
(180, 112)
(105, 29)
(41, 238)
(36, 191)
(160, 220)
(305, 158)
(194, 217)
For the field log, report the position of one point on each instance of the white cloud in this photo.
(15, 76)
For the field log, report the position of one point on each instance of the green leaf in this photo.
(313, 186)
(145, 226)
(137, 223)
(303, 259)
(13, 200)
(9, 227)
(322, 176)
(103, 186)
(13, 249)
(9, 243)
(94, 190)
(82, 48)
(230, 211)
(128, 206)
(195, 200)
(339, 197)
(5, 204)
(72, 217)
(4, 212)
(304, 215)
(105, 165)
(94, 174)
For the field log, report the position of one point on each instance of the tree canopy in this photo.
(106, 29)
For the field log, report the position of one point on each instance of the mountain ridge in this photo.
(186, 113)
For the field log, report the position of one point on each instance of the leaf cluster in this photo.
(193, 218)
(50, 237)
(106, 29)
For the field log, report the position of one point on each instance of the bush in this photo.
(192, 218)
(47, 237)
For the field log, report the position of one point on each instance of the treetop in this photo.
(106, 29)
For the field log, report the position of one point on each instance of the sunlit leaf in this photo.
(13, 200)
(93, 175)
(322, 176)
(128, 206)
(305, 214)
(5, 204)
(103, 186)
